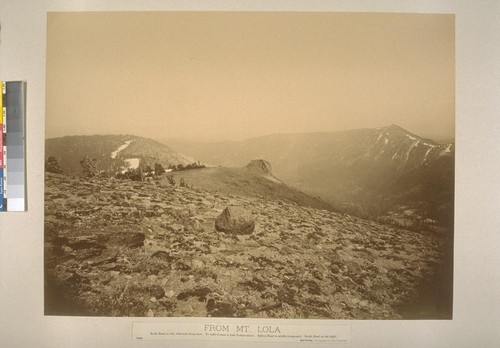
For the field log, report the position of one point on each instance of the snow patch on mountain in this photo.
(446, 150)
(427, 144)
(120, 149)
(133, 163)
(427, 153)
(412, 146)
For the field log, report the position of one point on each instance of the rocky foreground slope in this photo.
(122, 248)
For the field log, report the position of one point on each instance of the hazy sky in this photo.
(234, 75)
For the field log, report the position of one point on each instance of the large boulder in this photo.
(235, 220)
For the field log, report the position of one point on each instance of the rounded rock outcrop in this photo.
(260, 166)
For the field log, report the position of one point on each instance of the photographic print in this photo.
(292, 165)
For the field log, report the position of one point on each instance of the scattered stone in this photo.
(163, 255)
(88, 253)
(167, 303)
(191, 209)
(107, 256)
(197, 264)
(129, 239)
(84, 242)
(156, 291)
(182, 266)
(220, 308)
(200, 292)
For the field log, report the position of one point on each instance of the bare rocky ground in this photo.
(123, 248)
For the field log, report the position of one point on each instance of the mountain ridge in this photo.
(115, 153)
(366, 171)
(246, 181)
(383, 173)
(112, 152)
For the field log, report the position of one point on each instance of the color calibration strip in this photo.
(3, 201)
(12, 140)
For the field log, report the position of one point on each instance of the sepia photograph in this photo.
(283, 165)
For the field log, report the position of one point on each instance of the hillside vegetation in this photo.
(70, 150)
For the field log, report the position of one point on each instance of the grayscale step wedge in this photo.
(15, 143)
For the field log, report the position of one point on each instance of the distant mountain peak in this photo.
(395, 127)
(397, 131)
